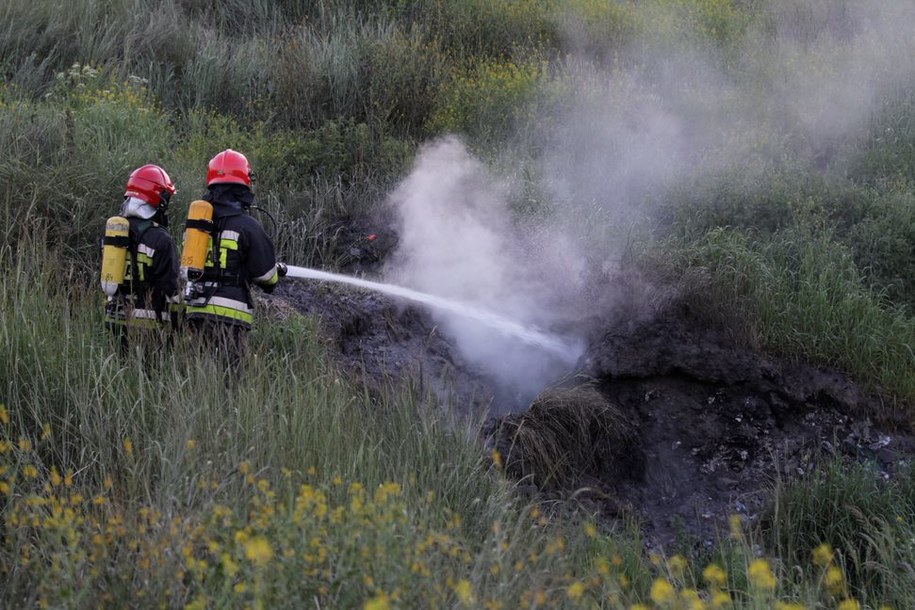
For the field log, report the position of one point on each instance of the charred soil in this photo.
(665, 419)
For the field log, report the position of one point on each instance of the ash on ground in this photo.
(665, 418)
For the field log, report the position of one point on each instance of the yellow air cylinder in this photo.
(114, 253)
(196, 239)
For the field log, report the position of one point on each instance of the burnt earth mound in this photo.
(666, 418)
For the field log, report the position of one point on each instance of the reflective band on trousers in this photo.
(220, 312)
(141, 314)
(148, 314)
(221, 302)
(137, 321)
(226, 308)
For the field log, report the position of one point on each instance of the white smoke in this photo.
(628, 128)
(810, 75)
(457, 241)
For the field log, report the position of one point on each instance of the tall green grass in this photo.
(867, 517)
(809, 301)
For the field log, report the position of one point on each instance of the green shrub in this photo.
(491, 103)
(888, 151)
(69, 156)
(497, 30)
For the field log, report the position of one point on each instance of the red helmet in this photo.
(231, 167)
(151, 184)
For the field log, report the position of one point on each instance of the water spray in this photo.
(566, 351)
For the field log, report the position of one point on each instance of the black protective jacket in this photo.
(240, 254)
(151, 279)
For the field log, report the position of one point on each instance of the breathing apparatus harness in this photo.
(200, 230)
(120, 240)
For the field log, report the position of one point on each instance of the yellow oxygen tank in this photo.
(196, 239)
(114, 253)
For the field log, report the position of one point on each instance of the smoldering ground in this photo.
(616, 131)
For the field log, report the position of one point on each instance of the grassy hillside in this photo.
(770, 142)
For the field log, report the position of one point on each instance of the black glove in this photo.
(281, 269)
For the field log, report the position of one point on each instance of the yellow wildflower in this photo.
(720, 599)
(590, 530)
(387, 491)
(4, 415)
(200, 603)
(761, 575)
(258, 550)
(834, 580)
(715, 576)
(464, 591)
(662, 592)
(677, 565)
(736, 526)
(230, 567)
(25, 445)
(46, 432)
(379, 602)
(789, 606)
(30, 471)
(575, 590)
(822, 555)
(191, 444)
(602, 566)
(128, 447)
(692, 599)
(849, 604)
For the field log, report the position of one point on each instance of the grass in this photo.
(867, 518)
(810, 302)
(151, 480)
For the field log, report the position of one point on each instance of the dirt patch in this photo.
(667, 418)
(715, 425)
(377, 338)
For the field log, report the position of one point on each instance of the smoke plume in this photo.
(803, 79)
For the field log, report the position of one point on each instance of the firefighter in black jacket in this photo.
(239, 254)
(145, 298)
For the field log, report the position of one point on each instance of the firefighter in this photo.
(142, 285)
(219, 306)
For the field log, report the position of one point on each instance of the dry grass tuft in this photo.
(567, 434)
